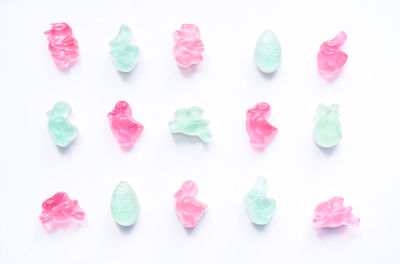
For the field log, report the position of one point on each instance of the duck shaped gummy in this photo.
(62, 45)
(330, 58)
(187, 207)
(332, 214)
(125, 54)
(188, 121)
(124, 128)
(61, 130)
(59, 211)
(327, 128)
(260, 131)
(259, 208)
(189, 48)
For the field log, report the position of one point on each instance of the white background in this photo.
(363, 168)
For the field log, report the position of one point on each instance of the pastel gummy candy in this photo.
(61, 130)
(268, 52)
(188, 48)
(260, 131)
(59, 211)
(62, 45)
(125, 54)
(124, 205)
(259, 208)
(332, 214)
(187, 207)
(124, 128)
(330, 58)
(188, 121)
(327, 128)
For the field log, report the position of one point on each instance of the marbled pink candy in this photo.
(62, 45)
(333, 214)
(259, 130)
(187, 207)
(125, 129)
(59, 211)
(330, 58)
(188, 48)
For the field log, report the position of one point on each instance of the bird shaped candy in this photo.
(59, 210)
(330, 58)
(124, 128)
(259, 130)
(61, 130)
(189, 48)
(332, 214)
(187, 207)
(62, 45)
(259, 208)
(188, 121)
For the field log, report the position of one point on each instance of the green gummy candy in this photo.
(327, 129)
(259, 208)
(268, 52)
(124, 205)
(125, 54)
(61, 130)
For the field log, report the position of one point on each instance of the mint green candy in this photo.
(61, 130)
(327, 129)
(124, 53)
(259, 208)
(188, 121)
(268, 52)
(124, 205)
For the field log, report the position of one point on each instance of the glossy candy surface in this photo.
(124, 128)
(59, 211)
(125, 54)
(62, 45)
(189, 48)
(188, 121)
(330, 58)
(61, 130)
(260, 131)
(259, 208)
(327, 128)
(187, 207)
(124, 205)
(332, 214)
(267, 54)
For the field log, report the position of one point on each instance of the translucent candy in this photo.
(330, 58)
(333, 214)
(259, 208)
(187, 207)
(188, 121)
(124, 205)
(62, 45)
(188, 48)
(259, 130)
(60, 211)
(268, 52)
(125, 129)
(62, 131)
(124, 53)
(327, 128)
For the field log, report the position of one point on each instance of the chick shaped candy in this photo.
(188, 121)
(61, 129)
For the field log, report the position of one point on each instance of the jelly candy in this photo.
(327, 129)
(333, 214)
(268, 52)
(124, 205)
(62, 131)
(188, 48)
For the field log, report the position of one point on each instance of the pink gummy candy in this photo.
(260, 131)
(59, 211)
(187, 207)
(125, 129)
(330, 58)
(333, 214)
(188, 48)
(62, 45)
